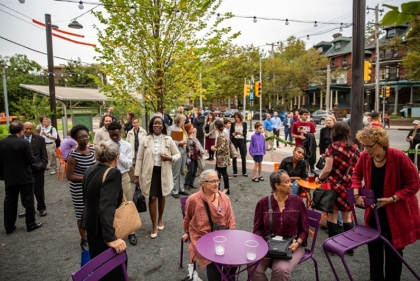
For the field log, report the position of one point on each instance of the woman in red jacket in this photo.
(395, 185)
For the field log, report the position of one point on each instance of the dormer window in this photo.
(391, 33)
(337, 45)
(320, 49)
(332, 61)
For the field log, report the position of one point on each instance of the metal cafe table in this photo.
(235, 252)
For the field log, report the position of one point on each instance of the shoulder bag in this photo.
(233, 151)
(214, 226)
(324, 198)
(126, 217)
(278, 247)
(321, 163)
(139, 200)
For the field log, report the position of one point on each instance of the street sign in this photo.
(251, 95)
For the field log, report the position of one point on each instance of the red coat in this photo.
(401, 179)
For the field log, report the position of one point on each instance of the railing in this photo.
(416, 148)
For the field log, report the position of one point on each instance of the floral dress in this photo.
(222, 151)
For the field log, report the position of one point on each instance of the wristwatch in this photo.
(393, 198)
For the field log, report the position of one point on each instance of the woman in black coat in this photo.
(101, 198)
(238, 131)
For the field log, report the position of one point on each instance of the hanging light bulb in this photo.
(218, 16)
(341, 27)
(287, 22)
(368, 11)
(307, 37)
(132, 10)
(81, 5)
(255, 19)
(315, 24)
(22, 1)
(177, 13)
(381, 14)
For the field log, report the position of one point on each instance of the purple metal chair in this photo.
(357, 236)
(183, 201)
(314, 218)
(101, 265)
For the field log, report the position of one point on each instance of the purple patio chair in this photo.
(101, 265)
(314, 218)
(183, 201)
(358, 236)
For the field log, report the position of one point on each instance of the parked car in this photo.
(320, 115)
(228, 113)
(256, 115)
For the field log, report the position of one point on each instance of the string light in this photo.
(315, 24)
(81, 5)
(341, 27)
(255, 19)
(177, 13)
(218, 16)
(307, 37)
(22, 1)
(287, 22)
(132, 10)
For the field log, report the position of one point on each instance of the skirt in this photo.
(209, 143)
(156, 184)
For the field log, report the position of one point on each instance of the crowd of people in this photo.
(166, 157)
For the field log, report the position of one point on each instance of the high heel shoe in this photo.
(226, 192)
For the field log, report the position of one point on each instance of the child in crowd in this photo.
(257, 151)
(226, 129)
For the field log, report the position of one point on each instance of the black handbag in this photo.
(139, 200)
(278, 248)
(214, 226)
(321, 163)
(324, 200)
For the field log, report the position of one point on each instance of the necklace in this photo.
(377, 161)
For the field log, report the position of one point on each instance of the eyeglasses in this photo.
(83, 137)
(369, 146)
(213, 181)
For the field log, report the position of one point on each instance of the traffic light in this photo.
(381, 93)
(257, 88)
(387, 91)
(367, 70)
(247, 89)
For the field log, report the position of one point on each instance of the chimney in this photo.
(336, 35)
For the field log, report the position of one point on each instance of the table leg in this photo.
(235, 276)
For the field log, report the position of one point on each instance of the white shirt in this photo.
(48, 131)
(126, 156)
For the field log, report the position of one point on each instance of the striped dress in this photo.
(83, 161)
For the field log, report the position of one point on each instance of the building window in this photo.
(381, 54)
(388, 53)
(337, 45)
(395, 53)
(393, 73)
(391, 33)
(320, 49)
(332, 61)
(382, 74)
(344, 60)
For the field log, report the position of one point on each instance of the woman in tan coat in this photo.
(155, 156)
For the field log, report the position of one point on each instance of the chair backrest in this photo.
(183, 201)
(276, 166)
(313, 219)
(101, 265)
(368, 198)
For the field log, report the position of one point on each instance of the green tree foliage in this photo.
(76, 74)
(158, 50)
(20, 70)
(409, 11)
(411, 61)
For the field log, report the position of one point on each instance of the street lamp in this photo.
(6, 102)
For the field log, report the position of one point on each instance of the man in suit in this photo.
(38, 167)
(288, 123)
(16, 158)
(199, 121)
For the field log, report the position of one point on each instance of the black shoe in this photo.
(84, 245)
(10, 231)
(261, 179)
(184, 193)
(43, 213)
(33, 226)
(175, 195)
(245, 175)
(192, 186)
(22, 215)
(133, 239)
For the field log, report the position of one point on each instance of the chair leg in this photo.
(58, 168)
(64, 171)
(347, 269)
(316, 268)
(331, 265)
(182, 253)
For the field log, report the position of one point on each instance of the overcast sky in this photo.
(259, 34)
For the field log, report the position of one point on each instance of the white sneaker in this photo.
(53, 173)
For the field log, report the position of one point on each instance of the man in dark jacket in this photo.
(310, 146)
(413, 138)
(15, 162)
(199, 121)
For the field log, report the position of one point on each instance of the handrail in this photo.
(416, 149)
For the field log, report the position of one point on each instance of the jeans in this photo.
(277, 134)
(288, 135)
(223, 172)
(190, 177)
(340, 219)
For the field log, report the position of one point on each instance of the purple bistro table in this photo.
(235, 251)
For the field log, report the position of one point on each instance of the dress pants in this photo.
(11, 204)
(126, 186)
(277, 134)
(178, 170)
(222, 172)
(39, 189)
(96, 247)
(190, 177)
(288, 134)
(239, 143)
(52, 157)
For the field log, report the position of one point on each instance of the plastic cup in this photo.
(219, 245)
(251, 249)
(311, 177)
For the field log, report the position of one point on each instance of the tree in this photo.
(158, 50)
(411, 61)
(20, 70)
(409, 11)
(76, 74)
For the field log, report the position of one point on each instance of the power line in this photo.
(19, 18)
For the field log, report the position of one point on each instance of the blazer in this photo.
(288, 129)
(146, 158)
(199, 124)
(16, 158)
(101, 200)
(212, 131)
(39, 151)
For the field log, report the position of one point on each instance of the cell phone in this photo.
(300, 128)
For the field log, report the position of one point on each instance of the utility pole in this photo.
(6, 102)
(274, 75)
(261, 88)
(244, 104)
(327, 94)
(51, 82)
(377, 63)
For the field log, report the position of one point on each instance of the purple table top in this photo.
(235, 249)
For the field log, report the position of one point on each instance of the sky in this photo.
(16, 24)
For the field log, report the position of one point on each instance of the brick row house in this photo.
(403, 93)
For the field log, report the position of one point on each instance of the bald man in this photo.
(39, 151)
